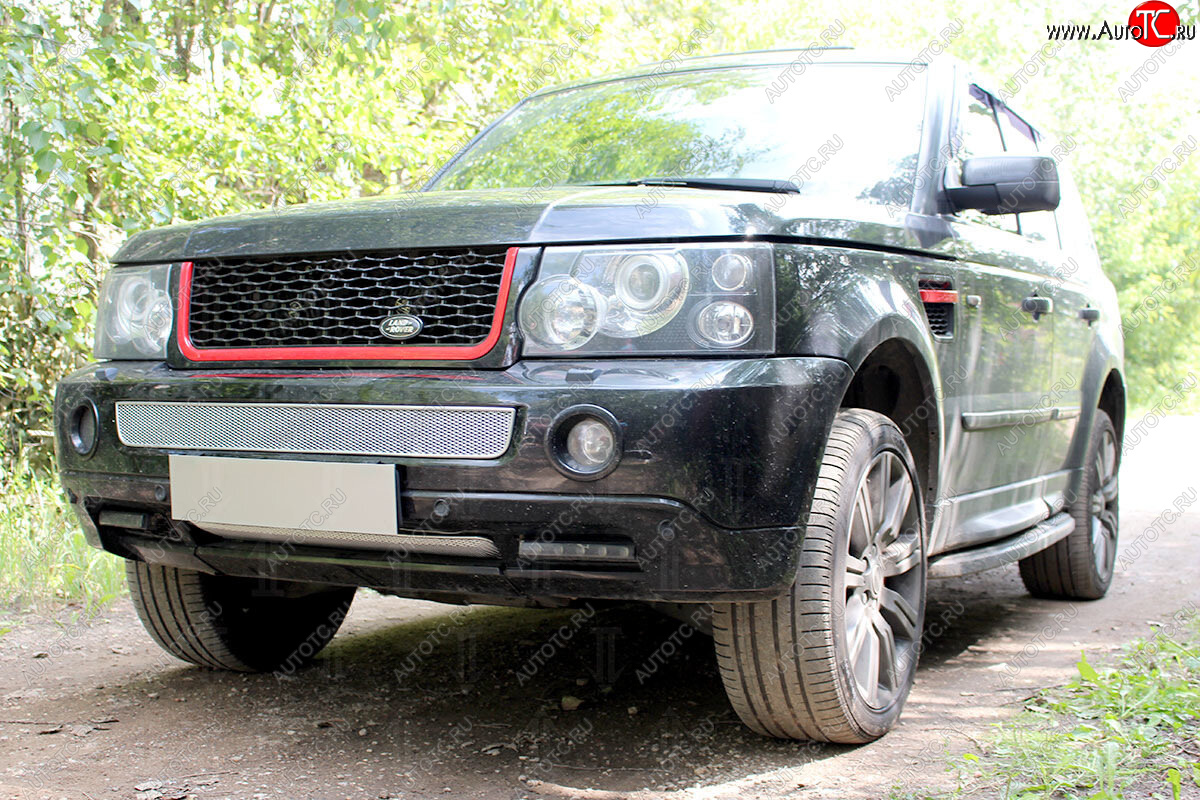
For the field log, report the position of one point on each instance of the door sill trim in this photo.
(1005, 551)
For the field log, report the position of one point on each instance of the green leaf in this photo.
(1085, 669)
(1176, 782)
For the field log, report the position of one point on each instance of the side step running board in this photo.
(1014, 548)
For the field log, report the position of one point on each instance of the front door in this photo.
(998, 456)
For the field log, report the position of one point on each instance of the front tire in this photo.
(238, 624)
(834, 658)
(1080, 567)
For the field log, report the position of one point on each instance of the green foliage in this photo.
(43, 554)
(1124, 731)
(120, 116)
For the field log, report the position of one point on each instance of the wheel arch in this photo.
(896, 374)
(1112, 401)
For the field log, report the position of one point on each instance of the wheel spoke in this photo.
(901, 556)
(855, 567)
(869, 677)
(860, 631)
(861, 523)
(1104, 542)
(1106, 467)
(899, 613)
(899, 496)
(887, 650)
(1099, 544)
(876, 487)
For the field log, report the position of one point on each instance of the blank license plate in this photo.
(269, 493)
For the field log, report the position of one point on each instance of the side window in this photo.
(1076, 231)
(979, 135)
(1019, 139)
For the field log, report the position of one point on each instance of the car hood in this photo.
(531, 217)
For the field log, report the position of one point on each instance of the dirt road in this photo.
(421, 700)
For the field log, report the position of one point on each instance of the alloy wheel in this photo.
(883, 581)
(1103, 520)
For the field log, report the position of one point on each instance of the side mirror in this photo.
(1007, 184)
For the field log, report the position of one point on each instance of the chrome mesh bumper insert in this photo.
(474, 432)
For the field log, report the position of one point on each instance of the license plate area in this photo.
(290, 495)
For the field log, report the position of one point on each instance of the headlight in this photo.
(135, 315)
(651, 299)
(561, 313)
(648, 289)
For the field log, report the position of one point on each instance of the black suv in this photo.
(767, 340)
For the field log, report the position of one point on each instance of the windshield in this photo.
(831, 130)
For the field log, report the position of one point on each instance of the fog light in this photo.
(591, 443)
(82, 428)
(584, 442)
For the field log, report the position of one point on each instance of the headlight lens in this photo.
(730, 271)
(651, 299)
(561, 313)
(648, 290)
(135, 315)
(724, 324)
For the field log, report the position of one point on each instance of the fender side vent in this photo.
(939, 298)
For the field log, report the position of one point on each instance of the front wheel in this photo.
(239, 624)
(834, 658)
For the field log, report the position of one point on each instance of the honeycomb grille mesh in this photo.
(341, 300)
(399, 431)
(941, 318)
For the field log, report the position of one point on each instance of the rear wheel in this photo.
(240, 624)
(1080, 567)
(834, 658)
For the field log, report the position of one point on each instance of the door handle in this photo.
(1037, 306)
(1089, 314)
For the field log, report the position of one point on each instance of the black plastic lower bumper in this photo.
(677, 555)
(719, 463)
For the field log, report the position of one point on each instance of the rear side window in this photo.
(1020, 139)
(1073, 222)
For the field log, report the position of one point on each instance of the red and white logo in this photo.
(1154, 23)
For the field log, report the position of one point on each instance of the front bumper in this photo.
(718, 466)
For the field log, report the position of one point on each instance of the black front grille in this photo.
(341, 300)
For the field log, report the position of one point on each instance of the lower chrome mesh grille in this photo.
(400, 431)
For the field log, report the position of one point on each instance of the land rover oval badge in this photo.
(401, 326)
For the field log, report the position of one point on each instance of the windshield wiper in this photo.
(738, 184)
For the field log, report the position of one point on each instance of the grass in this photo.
(43, 555)
(1130, 730)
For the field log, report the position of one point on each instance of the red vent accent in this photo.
(938, 296)
(358, 353)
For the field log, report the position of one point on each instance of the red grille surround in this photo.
(340, 352)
